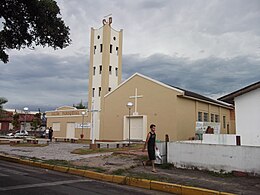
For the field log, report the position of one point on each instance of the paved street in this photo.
(21, 179)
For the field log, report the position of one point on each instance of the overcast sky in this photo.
(208, 47)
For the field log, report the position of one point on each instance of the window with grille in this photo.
(212, 118)
(199, 116)
(206, 117)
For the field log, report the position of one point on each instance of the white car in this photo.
(18, 133)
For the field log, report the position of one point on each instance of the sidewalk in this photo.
(128, 163)
(249, 185)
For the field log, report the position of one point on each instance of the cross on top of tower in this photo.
(109, 17)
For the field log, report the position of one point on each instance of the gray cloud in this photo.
(211, 76)
(44, 80)
(209, 47)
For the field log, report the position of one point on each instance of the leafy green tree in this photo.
(15, 122)
(2, 102)
(80, 105)
(36, 123)
(29, 23)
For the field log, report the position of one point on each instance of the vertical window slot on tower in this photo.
(95, 47)
(110, 69)
(111, 48)
(100, 69)
(116, 71)
(93, 92)
(99, 91)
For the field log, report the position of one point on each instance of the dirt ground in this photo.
(131, 165)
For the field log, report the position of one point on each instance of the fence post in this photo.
(166, 149)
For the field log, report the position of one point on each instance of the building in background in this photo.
(66, 121)
(7, 118)
(247, 113)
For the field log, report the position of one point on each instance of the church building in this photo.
(175, 111)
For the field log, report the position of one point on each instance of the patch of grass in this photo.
(28, 145)
(141, 158)
(83, 151)
(84, 141)
(97, 169)
(119, 172)
(68, 164)
(222, 173)
(148, 176)
(58, 162)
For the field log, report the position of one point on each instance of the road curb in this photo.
(186, 190)
(46, 166)
(166, 187)
(75, 171)
(118, 179)
(141, 183)
(60, 168)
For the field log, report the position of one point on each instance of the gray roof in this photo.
(229, 98)
(201, 97)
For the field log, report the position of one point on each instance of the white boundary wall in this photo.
(227, 139)
(214, 157)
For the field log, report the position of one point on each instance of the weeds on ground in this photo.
(68, 164)
(28, 145)
(222, 173)
(149, 176)
(58, 162)
(96, 169)
(83, 151)
(119, 172)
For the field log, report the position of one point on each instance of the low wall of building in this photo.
(225, 139)
(213, 157)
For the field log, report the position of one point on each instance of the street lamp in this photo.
(129, 105)
(25, 111)
(82, 135)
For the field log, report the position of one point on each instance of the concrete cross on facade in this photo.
(135, 97)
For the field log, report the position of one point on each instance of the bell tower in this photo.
(105, 68)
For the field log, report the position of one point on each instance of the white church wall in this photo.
(214, 157)
(247, 107)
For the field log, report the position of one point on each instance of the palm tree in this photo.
(2, 101)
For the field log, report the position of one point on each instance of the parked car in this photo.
(18, 133)
(45, 133)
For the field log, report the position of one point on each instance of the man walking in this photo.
(50, 134)
(151, 146)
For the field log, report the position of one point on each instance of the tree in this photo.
(80, 105)
(16, 122)
(36, 123)
(2, 101)
(29, 23)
